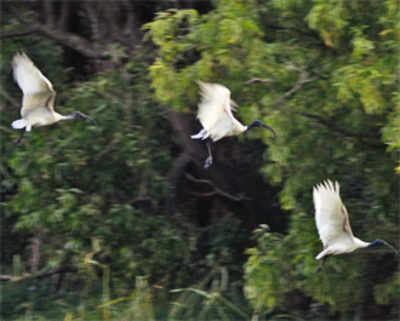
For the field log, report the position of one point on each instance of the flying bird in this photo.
(333, 224)
(38, 97)
(216, 117)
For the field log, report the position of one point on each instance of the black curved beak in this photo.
(257, 123)
(270, 128)
(394, 250)
(86, 117)
(382, 242)
(92, 120)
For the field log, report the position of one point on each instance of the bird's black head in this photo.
(258, 123)
(375, 243)
(383, 243)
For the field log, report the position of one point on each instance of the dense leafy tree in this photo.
(327, 84)
(100, 206)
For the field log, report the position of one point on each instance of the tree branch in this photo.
(39, 275)
(65, 10)
(131, 28)
(178, 168)
(301, 81)
(298, 30)
(7, 130)
(178, 123)
(254, 80)
(35, 241)
(17, 33)
(49, 13)
(110, 21)
(216, 191)
(93, 22)
(332, 125)
(65, 38)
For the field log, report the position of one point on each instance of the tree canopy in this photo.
(126, 209)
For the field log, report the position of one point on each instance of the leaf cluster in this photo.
(333, 104)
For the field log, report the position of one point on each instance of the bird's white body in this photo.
(332, 221)
(36, 118)
(39, 95)
(215, 113)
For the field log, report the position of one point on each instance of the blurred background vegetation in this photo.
(121, 222)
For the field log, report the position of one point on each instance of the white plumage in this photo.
(215, 113)
(29, 78)
(216, 117)
(38, 96)
(333, 224)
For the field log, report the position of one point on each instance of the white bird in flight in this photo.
(333, 224)
(38, 97)
(216, 117)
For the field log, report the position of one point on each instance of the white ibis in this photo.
(38, 97)
(333, 224)
(216, 117)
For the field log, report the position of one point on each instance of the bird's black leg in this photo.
(20, 137)
(319, 269)
(209, 159)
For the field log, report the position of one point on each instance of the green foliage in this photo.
(214, 46)
(337, 113)
(329, 18)
(337, 144)
(118, 203)
(205, 300)
(323, 74)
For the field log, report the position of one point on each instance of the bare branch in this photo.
(65, 38)
(181, 127)
(62, 20)
(94, 22)
(302, 32)
(178, 167)
(114, 32)
(199, 180)
(208, 194)
(333, 126)
(110, 12)
(217, 190)
(301, 81)
(17, 33)
(131, 28)
(39, 275)
(72, 41)
(36, 241)
(49, 13)
(254, 80)
(6, 129)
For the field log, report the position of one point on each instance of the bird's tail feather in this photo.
(18, 124)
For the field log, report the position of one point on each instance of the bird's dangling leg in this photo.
(319, 269)
(208, 162)
(20, 137)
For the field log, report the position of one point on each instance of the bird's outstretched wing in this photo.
(215, 110)
(38, 90)
(330, 213)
